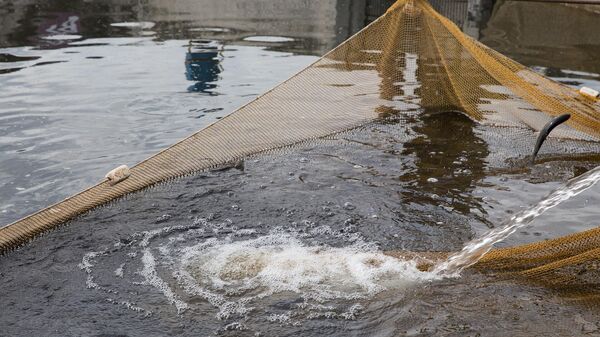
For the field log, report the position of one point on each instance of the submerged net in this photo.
(409, 60)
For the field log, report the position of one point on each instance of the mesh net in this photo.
(569, 265)
(410, 59)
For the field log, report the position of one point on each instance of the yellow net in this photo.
(410, 59)
(569, 265)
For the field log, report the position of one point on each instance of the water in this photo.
(240, 272)
(280, 248)
(88, 86)
(94, 86)
(476, 249)
(64, 125)
(309, 242)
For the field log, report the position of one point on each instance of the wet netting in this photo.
(406, 67)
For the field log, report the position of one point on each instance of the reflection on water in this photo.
(314, 27)
(58, 29)
(203, 65)
(102, 102)
(449, 162)
(558, 36)
(91, 85)
(88, 86)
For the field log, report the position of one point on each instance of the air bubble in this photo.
(349, 206)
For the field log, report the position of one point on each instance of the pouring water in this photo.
(476, 249)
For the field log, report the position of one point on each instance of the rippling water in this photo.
(277, 247)
(115, 101)
(310, 243)
(240, 273)
(89, 86)
(74, 106)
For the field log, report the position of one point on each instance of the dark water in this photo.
(290, 243)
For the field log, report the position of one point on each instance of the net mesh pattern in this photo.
(569, 265)
(410, 59)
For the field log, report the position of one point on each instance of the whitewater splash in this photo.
(238, 271)
(476, 249)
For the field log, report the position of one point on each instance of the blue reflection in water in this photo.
(203, 65)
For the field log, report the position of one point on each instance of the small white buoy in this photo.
(589, 92)
(118, 174)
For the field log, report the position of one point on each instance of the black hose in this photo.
(554, 122)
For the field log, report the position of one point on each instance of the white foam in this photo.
(119, 271)
(61, 37)
(238, 271)
(272, 39)
(87, 263)
(128, 305)
(151, 278)
(281, 318)
(139, 24)
(282, 263)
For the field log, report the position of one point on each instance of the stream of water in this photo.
(476, 249)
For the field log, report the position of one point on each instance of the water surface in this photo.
(87, 87)
(293, 243)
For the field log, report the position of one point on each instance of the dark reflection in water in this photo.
(149, 238)
(449, 162)
(14, 58)
(558, 36)
(315, 26)
(203, 65)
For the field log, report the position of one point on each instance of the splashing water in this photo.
(476, 249)
(238, 271)
(283, 276)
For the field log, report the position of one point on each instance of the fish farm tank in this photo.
(299, 168)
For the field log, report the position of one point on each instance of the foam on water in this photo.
(61, 37)
(272, 39)
(281, 262)
(140, 24)
(238, 271)
(151, 278)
